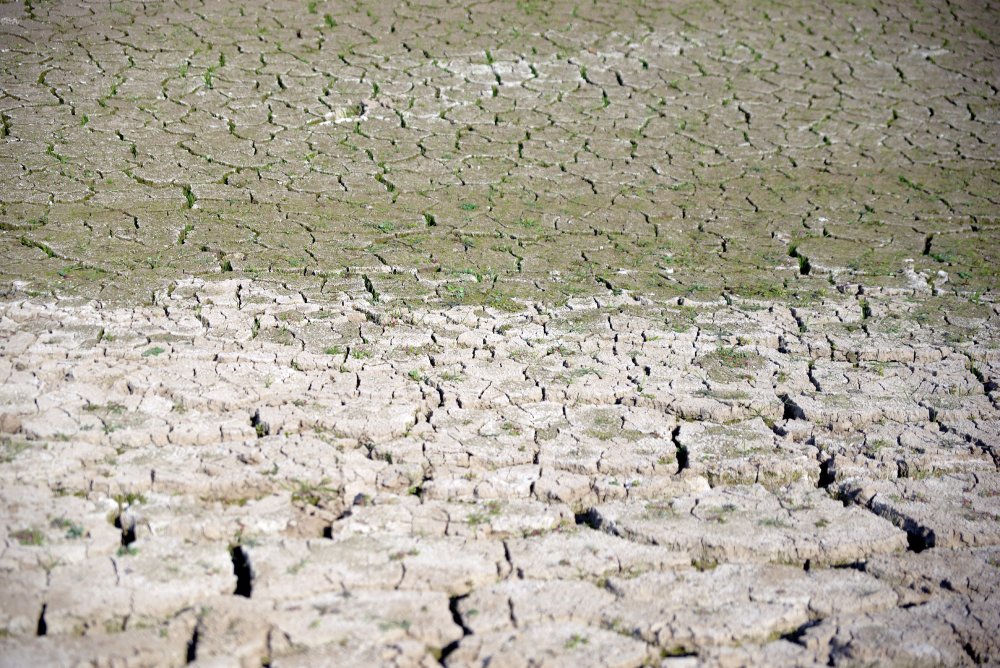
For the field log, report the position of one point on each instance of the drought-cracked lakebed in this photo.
(509, 334)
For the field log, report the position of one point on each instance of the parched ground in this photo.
(508, 334)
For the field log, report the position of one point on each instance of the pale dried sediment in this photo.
(608, 334)
(393, 489)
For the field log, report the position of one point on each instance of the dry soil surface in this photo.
(499, 334)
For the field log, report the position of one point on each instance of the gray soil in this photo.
(501, 334)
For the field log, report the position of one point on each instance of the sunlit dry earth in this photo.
(522, 334)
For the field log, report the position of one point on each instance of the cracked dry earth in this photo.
(507, 334)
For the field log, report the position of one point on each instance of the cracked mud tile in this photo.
(587, 554)
(935, 633)
(745, 453)
(891, 450)
(685, 619)
(919, 577)
(796, 525)
(375, 561)
(144, 647)
(558, 643)
(944, 510)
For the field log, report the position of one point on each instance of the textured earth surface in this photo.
(510, 334)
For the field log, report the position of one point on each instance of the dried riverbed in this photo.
(509, 334)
